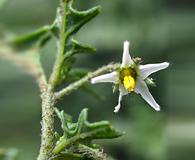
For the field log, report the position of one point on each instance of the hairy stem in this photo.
(47, 125)
(85, 79)
(48, 100)
(30, 62)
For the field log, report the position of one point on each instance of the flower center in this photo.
(128, 78)
(129, 83)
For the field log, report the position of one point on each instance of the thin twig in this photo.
(79, 83)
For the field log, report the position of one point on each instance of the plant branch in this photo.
(30, 62)
(85, 79)
(47, 125)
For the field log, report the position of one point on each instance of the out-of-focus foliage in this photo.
(159, 30)
(2, 2)
(8, 154)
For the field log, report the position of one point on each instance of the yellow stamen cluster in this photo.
(127, 78)
(129, 83)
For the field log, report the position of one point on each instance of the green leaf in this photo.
(77, 47)
(82, 132)
(76, 19)
(35, 38)
(68, 22)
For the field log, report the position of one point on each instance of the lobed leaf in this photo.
(83, 132)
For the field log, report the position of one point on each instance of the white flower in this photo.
(131, 78)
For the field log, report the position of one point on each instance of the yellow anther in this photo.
(129, 83)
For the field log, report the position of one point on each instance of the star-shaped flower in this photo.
(131, 77)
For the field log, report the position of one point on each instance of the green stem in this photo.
(48, 100)
(55, 76)
(85, 79)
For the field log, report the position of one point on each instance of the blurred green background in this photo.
(159, 30)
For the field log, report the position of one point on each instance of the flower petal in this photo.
(109, 77)
(142, 89)
(122, 92)
(117, 108)
(126, 59)
(148, 69)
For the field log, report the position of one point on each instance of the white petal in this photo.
(142, 89)
(122, 92)
(117, 108)
(126, 60)
(109, 77)
(148, 69)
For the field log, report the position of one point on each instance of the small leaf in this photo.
(75, 47)
(83, 132)
(39, 37)
(76, 19)
(81, 48)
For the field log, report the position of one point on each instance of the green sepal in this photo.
(83, 132)
(150, 82)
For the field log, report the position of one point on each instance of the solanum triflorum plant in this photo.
(76, 141)
(131, 76)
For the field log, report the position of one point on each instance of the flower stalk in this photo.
(67, 90)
